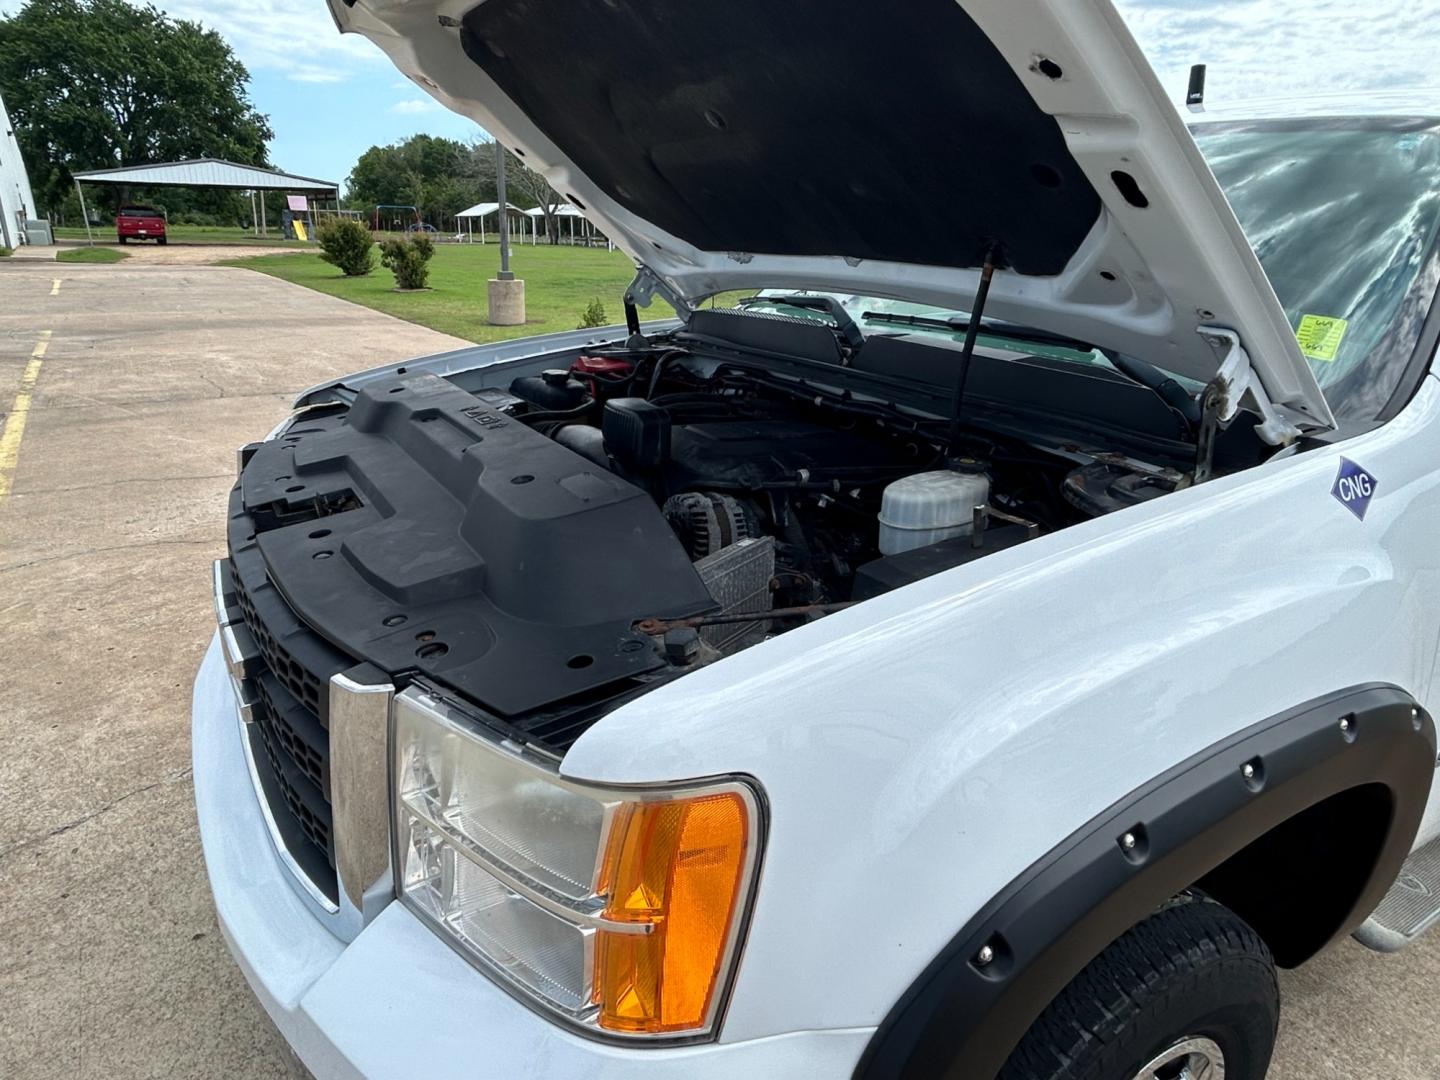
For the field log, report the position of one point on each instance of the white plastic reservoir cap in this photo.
(929, 507)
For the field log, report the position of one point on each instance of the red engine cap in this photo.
(600, 365)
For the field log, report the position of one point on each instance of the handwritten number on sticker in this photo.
(1320, 336)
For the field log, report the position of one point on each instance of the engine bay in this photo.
(550, 537)
(737, 456)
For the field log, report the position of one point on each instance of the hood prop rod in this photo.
(972, 331)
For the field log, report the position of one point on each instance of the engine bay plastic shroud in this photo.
(480, 552)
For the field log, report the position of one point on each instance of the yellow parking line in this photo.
(55, 287)
(14, 429)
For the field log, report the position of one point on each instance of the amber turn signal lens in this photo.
(677, 866)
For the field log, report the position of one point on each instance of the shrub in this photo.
(593, 315)
(408, 260)
(347, 243)
(4, 252)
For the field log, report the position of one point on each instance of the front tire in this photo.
(1190, 988)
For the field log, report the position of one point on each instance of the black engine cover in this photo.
(425, 531)
(749, 454)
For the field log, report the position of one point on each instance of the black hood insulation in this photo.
(894, 132)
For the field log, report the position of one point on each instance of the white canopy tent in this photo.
(482, 211)
(565, 210)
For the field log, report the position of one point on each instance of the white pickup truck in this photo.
(988, 650)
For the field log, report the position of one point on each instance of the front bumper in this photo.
(397, 1001)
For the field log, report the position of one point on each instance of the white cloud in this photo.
(317, 75)
(298, 40)
(1288, 48)
(416, 105)
(1254, 48)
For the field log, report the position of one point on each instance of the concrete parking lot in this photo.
(144, 378)
(110, 960)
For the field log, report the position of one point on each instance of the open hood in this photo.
(882, 150)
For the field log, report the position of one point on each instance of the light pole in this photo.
(506, 274)
(506, 292)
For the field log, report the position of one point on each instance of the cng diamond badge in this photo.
(1354, 487)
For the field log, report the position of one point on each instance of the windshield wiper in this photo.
(991, 327)
(1176, 397)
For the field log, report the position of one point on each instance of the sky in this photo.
(330, 97)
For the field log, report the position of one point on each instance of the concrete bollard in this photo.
(507, 302)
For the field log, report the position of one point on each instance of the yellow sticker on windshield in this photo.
(1320, 335)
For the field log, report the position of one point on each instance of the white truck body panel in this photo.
(921, 750)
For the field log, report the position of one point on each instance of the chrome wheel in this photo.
(1188, 1059)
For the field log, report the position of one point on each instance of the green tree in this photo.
(93, 84)
(424, 171)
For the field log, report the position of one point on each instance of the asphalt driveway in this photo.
(140, 381)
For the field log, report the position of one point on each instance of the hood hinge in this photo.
(647, 286)
(1236, 386)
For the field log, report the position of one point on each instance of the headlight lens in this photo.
(619, 910)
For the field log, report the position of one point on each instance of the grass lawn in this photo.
(91, 255)
(190, 234)
(559, 282)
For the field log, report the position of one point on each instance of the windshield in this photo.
(1343, 215)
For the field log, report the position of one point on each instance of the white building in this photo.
(17, 202)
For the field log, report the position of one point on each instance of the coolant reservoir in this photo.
(929, 507)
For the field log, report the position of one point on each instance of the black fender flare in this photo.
(976, 1000)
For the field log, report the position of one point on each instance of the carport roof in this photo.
(562, 210)
(485, 209)
(207, 172)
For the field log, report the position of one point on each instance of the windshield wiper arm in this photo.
(850, 333)
(960, 324)
(1175, 396)
(1169, 391)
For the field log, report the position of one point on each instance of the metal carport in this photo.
(205, 172)
(565, 210)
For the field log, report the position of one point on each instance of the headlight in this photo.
(618, 910)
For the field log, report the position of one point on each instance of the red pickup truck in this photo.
(140, 223)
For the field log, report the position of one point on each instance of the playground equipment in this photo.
(393, 222)
(319, 215)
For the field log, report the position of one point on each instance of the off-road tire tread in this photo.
(1082, 1033)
